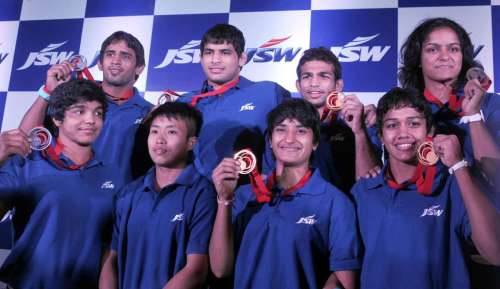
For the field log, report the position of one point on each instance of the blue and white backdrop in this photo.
(365, 34)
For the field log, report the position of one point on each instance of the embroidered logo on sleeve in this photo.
(178, 218)
(108, 185)
(248, 106)
(432, 211)
(309, 220)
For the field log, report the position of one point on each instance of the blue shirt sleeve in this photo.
(11, 178)
(344, 237)
(202, 221)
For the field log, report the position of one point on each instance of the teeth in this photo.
(404, 146)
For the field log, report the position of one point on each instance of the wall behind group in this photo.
(365, 34)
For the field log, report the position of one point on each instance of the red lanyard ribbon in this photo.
(454, 104)
(218, 91)
(263, 191)
(125, 96)
(85, 72)
(423, 178)
(54, 154)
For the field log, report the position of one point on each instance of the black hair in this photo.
(132, 43)
(397, 98)
(224, 33)
(74, 91)
(410, 72)
(295, 108)
(320, 54)
(179, 111)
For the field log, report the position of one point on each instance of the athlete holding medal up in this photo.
(122, 62)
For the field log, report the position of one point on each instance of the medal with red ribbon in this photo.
(333, 104)
(167, 96)
(39, 138)
(425, 172)
(79, 63)
(218, 91)
(479, 74)
(248, 165)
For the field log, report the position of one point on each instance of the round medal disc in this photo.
(247, 159)
(78, 62)
(334, 101)
(426, 154)
(39, 138)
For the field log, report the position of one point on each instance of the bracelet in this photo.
(224, 202)
(43, 93)
(473, 117)
(457, 166)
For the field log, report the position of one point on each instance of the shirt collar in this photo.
(187, 178)
(316, 185)
(244, 82)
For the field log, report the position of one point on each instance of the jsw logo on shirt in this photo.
(46, 56)
(309, 220)
(108, 185)
(432, 211)
(247, 106)
(178, 218)
(138, 121)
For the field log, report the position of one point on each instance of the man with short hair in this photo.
(121, 61)
(63, 195)
(234, 108)
(164, 219)
(344, 152)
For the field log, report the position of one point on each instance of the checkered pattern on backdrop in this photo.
(364, 34)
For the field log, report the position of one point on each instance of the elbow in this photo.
(220, 271)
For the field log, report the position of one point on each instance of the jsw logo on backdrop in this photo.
(3, 55)
(190, 53)
(47, 56)
(354, 51)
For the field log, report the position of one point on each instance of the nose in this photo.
(444, 54)
(216, 57)
(314, 81)
(290, 136)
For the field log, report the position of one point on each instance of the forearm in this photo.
(191, 276)
(345, 279)
(108, 278)
(484, 218)
(34, 116)
(221, 249)
(483, 144)
(365, 157)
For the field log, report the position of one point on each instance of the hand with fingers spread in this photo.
(225, 177)
(371, 173)
(352, 113)
(473, 97)
(57, 74)
(13, 142)
(448, 149)
(370, 112)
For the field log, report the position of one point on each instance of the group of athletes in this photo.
(238, 185)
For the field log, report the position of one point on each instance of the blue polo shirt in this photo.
(411, 239)
(294, 241)
(233, 121)
(155, 231)
(63, 221)
(116, 140)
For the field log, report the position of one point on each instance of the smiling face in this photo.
(169, 143)
(403, 130)
(221, 63)
(441, 56)
(292, 143)
(119, 65)
(81, 124)
(316, 81)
